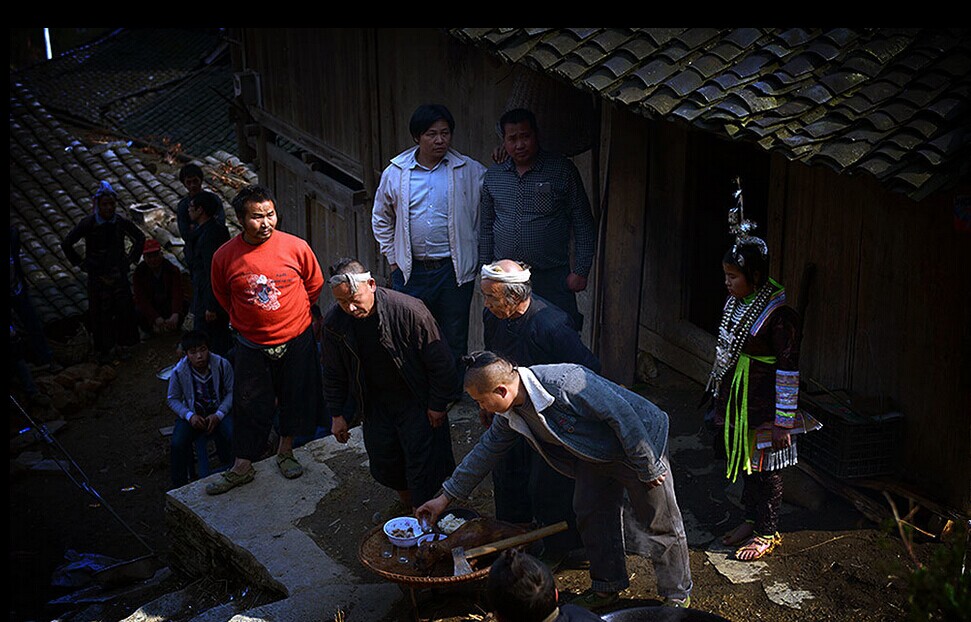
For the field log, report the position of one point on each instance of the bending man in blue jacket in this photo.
(607, 438)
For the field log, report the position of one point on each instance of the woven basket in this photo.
(73, 351)
(374, 542)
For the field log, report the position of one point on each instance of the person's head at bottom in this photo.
(520, 588)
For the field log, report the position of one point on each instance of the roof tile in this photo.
(655, 72)
(755, 102)
(684, 82)
(795, 37)
(640, 47)
(751, 64)
(663, 101)
(842, 81)
(844, 153)
(840, 36)
(697, 37)
(727, 51)
(661, 36)
(744, 37)
(825, 127)
(708, 65)
(816, 93)
(734, 105)
(610, 39)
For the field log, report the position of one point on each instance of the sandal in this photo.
(677, 603)
(732, 537)
(289, 465)
(591, 599)
(758, 547)
(228, 480)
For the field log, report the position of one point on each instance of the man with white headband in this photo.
(525, 329)
(383, 350)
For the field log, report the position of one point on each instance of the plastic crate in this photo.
(850, 444)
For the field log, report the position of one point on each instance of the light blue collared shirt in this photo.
(428, 210)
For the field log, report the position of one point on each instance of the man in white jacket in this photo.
(426, 222)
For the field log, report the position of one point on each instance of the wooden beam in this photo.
(623, 257)
(310, 143)
(327, 190)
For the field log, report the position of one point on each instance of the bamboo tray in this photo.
(375, 542)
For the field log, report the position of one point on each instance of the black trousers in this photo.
(404, 451)
(263, 387)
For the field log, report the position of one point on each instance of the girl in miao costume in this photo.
(755, 383)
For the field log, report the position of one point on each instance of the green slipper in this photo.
(228, 480)
(592, 600)
(289, 465)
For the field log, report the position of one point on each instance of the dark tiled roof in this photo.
(161, 86)
(895, 103)
(54, 172)
(194, 114)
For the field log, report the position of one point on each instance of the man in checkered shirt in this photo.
(531, 205)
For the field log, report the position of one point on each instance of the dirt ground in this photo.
(850, 568)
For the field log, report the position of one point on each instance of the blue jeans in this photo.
(184, 436)
(657, 526)
(448, 301)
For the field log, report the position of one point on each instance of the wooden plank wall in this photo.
(822, 224)
(664, 332)
(315, 79)
(889, 312)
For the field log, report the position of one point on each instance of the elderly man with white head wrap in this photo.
(524, 328)
(384, 350)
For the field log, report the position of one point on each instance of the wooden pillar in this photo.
(623, 244)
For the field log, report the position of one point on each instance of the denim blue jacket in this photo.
(181, 396)
(592, 418)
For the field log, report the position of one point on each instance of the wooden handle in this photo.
(522, 538)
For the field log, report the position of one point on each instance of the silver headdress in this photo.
(742, 228)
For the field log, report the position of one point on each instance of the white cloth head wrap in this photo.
(494, 272)
(351, 278)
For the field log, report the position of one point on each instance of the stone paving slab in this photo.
(257, 526)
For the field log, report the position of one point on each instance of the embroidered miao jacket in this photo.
(773, 391)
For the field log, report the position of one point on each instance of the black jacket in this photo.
(104, 250)
(412, 337)
(541, 336)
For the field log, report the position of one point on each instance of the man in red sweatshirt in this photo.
(267, 281)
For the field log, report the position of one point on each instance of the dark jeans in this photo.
(550, 284)
(184, 436)
(658, 530)
(448, 301)
(404, 451)
(528, 489)
(111, 313)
